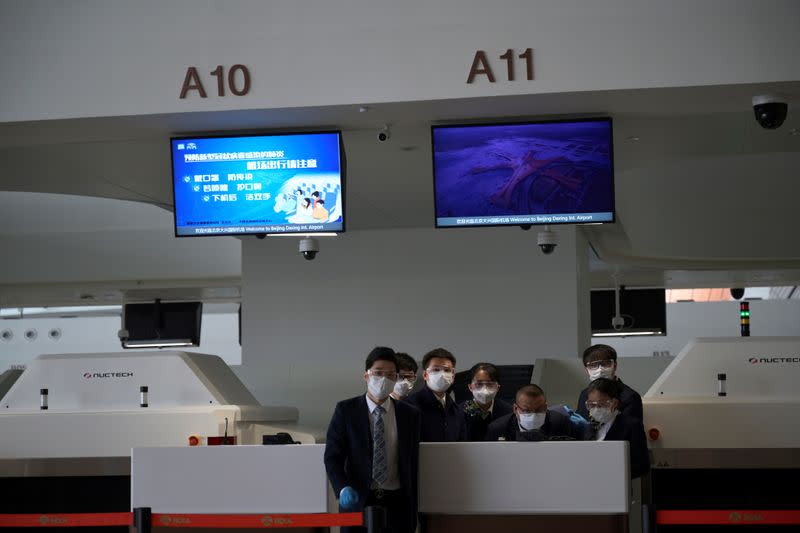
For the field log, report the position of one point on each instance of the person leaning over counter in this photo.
(610, 424)
(600, 361)
(530, 414)
(372, 448)
(442, 421)
(484, 407)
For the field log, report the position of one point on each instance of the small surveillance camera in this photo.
(309, 248)
(123, 334)
(384, 134)
(617, 322)
(770, 110)
(547, 241)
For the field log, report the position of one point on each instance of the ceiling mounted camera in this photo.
(309, 248)
(547, 240)
(770, 110)
(384, 133)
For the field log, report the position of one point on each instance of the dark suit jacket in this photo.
(632, 430)
(477, 425)
(348, 450)
(555, 425)
(439, 424)
(630, 403)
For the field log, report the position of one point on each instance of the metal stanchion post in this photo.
(375, 519)
(142, 519)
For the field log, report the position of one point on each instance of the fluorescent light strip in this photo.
(158, 344)
(627, 333)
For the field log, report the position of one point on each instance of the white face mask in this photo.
(484, 395)
(380, 387)
(440, 381)
(601, 414)
(601, 372)
(403, 387)
(530, 421)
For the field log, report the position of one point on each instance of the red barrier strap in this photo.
(727, 517)
(257, 520)
(66, 520)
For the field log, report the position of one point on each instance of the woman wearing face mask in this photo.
(530, 414)
(484, 407)
(608, 423)
(442, 421)
(600, 361)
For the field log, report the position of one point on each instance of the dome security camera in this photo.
(384, 134)
(123, 334)
(309, 248)
(770, 110)
(547, 240)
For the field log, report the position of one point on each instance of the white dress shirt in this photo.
(390, 437)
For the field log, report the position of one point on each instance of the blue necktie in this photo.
(379, 467)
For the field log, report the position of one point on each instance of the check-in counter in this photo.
(268, 480)
(524, 486)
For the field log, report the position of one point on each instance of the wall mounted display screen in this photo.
(524, 173)
(257, 184)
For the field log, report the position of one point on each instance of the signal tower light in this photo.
(744, 318)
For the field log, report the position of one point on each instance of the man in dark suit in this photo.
(600, 361)
(609, 423)
(530, 414)
(372, 448)
(442, 420)
(484, 407)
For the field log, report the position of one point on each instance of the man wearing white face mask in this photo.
(608, 423)
(442, 421)
(600, 361)
(531, 413)
(372, 448)
(406, 376)
(484, 407)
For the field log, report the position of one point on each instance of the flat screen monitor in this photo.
(644, 312)
(258, 184)
(516, 174)
(157, 324)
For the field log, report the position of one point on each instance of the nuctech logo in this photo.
(773, 360)
(93, 375)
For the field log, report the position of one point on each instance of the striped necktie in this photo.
(379, 467)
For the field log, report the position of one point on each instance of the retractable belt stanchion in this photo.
(375, 519)
(142, 518)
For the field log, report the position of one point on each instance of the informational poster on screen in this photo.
(519, 174)
(258, 184)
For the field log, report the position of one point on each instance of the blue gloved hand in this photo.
(577, 419)
(348, 498)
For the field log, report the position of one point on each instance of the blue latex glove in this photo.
(348, 498)
(577, 419)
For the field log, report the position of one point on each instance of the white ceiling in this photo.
(704, 195)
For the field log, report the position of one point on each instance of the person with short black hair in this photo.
(406, 375)
(610, 424)
(442, 421)
(484, 407)
(372, 448)
(530, 414)
(600, 361)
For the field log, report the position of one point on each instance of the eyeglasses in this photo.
(605, 363)
(390, 374)
(407, 375)
(445, 369)
(603, 403)
(488, 384)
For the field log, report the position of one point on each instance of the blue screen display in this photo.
(518, 174)
(258, 184)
